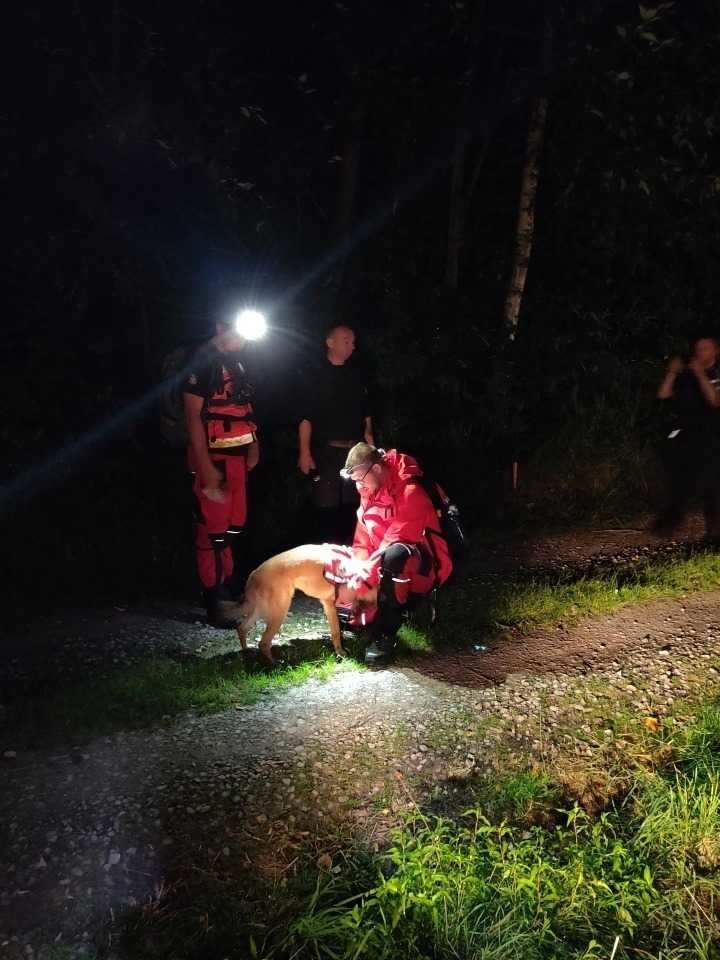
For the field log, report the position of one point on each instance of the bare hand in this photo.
(677, 366)
(253, 456)
(212, 478)
(216, 494)
(696, 367)
(213, 485)
(306, 463)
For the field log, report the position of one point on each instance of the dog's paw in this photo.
(341, 654)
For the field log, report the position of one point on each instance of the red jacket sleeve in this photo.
(412, 508)
(361, 541)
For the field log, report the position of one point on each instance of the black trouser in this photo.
(394, 589)
(692, 467)
(335, 500)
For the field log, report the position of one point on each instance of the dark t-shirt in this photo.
(336, 400)
(209, 370)
(691, 411)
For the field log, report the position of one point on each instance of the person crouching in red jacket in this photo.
(397, 535)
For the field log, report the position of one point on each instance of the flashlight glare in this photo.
(251, 324)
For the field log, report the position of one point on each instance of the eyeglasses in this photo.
(360, 479)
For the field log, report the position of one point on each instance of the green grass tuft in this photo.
(158, 689)
(493, 891)
(486, 605)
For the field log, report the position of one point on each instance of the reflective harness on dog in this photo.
(340, 570)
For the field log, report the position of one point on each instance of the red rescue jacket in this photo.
(400, 510)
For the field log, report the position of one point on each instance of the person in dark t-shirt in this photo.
(334, 415)
(691, 449)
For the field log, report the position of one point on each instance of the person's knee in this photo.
(394, 579)
(396, 557)
(218, 541)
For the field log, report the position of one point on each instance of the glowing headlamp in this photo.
(251, 324)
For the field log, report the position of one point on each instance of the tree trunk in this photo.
(526, 216)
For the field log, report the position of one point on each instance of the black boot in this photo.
(381, 650)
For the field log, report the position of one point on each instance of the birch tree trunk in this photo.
(526, 216)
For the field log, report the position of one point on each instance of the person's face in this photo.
(341, 343)
(229, 340)
(367, 479)
(705, 351)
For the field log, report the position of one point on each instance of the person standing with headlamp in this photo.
(222, 449)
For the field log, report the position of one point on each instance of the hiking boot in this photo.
(380, 651)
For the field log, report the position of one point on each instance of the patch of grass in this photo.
(521, 794)
(157, 689)
(414, 638)
(641, 879)
(700, 752)
(486, 605)
(61, 952)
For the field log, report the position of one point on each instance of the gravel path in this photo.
(90, 832)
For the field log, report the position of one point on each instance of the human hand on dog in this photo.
(364, 575)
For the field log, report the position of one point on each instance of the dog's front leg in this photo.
(334, 624)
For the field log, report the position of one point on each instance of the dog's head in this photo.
(356, 609)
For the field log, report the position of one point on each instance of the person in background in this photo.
(691, 450)
(222, 449)
(334, 414)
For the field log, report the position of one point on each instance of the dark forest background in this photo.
(356, 162)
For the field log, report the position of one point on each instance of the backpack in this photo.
(451, 528)
(171, 410)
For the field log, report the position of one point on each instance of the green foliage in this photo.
(700, 752)
(486, 604)
(519, 795)
(640, 879)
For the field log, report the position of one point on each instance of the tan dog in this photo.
(271, 586)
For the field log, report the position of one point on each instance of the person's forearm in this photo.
(368, 434)
(304, 436)
(707, 389)
(198, 443)
(667, 386)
